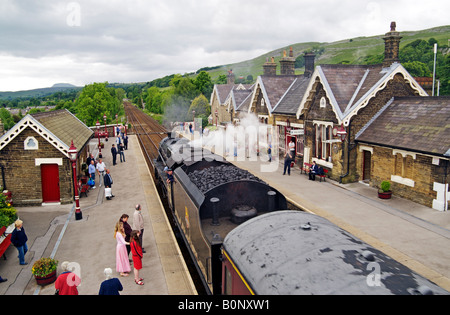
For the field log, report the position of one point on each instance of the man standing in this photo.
(91, 170)
(114, 154)
(138, 224)
(101, 171)
(287, 163)
(107, 180)
(121, 153)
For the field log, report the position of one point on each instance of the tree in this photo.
(204, 84)
(417, 69)
(96, 100)
(202, 108)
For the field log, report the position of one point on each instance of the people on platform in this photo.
(101, 167)
(136, 250)
(122, 262)
(127, 228)
(313, 171)
(121, 152)
(91, 170)
(89, 159)
(108, 181)
(111, 286)
(292, 147)
(114, 154)
(287, 163)
(138, 224)
(19, 239)
(125, 141)
(68, 281)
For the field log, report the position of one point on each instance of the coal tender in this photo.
(208, 198)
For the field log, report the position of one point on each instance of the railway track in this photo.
(148, 131)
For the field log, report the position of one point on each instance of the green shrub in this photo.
(385, 186)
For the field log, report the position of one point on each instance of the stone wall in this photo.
(23, 177)
(414, 174)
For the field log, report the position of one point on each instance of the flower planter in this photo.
(385, 195)
(47, 279)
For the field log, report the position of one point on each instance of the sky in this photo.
(80, 42)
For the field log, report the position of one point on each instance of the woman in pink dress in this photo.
(122, 262)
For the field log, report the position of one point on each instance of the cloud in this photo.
(79, 42)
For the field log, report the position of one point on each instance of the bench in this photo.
(306, 167)
(324, 175)
(83, 188)
(5, 241)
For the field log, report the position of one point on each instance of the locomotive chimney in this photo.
(215, 219)
(271, 200)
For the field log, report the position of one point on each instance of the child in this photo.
(136, 250)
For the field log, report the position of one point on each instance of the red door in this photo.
(50, 183)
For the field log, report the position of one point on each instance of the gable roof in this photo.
(350, 87)
(238, 96)
(273, 88)
(59, 128)
(290, 101)
(420, 124)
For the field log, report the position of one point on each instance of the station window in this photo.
(322, 148)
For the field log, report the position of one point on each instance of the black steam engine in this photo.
(208, 198)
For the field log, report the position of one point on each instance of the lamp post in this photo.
(117, 125)
(106, 131)
(217, 116)
(98, 135)
(73, 154)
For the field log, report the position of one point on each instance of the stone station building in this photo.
(35, 160)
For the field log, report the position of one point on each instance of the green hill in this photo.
(37, 93)
(351, 51)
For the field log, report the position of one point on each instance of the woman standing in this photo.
(67, 282)
(136, 249)
(127, 228)
(19, 240)
(122, 262)
(111, 286)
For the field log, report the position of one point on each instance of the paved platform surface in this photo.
(415, 235)
(90, 242)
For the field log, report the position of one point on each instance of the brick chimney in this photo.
(288, 63)
(230, 77)
(392, 46)
(309, 64)
(270, 68)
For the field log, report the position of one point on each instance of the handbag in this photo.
(91, 182)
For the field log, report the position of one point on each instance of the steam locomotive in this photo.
(244, 241)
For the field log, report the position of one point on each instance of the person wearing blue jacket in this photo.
(19, 240)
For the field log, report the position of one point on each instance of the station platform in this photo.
(90, 242)
(412, 234)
